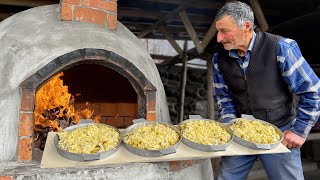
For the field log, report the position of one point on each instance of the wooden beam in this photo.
(140, 26)
(191, 31)
(203, 4)
(140, 14)
(259, 15)
(161, 57)
(210, 101)
(192, 53)
(127, 12)
(28, 3)
(171, 40)
(161, 21)
(313, 136)
(183, 82)
(209, 35)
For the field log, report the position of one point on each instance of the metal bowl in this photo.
(150, 153)
(85, 157)
(203, 147)
(257, 146)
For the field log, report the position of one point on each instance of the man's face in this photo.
(229, 33)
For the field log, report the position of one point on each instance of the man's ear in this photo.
(248, 26)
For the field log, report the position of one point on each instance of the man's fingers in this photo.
(284, 142)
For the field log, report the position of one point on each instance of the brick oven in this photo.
(103, 63)
(100, 59)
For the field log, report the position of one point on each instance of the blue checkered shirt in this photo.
(301, 80)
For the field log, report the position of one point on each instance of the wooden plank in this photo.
(203, 4)
(52, 159)
(209, 35)
(140, 14)
(313, 136)
(161, 57)
(160, 22)
(179, 30)
(259, 15)
(191, 31)
(171, 40)
(136, 13)
(183, 82)
(210, 105)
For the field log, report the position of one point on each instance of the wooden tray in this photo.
(52, 159)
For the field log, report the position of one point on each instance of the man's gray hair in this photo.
(240, 12)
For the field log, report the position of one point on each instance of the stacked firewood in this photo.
(60, 116)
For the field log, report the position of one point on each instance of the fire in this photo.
(85, 114)
(51, 95)
(54, 106)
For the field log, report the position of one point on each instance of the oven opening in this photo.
(84, 91)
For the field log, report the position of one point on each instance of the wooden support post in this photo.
(171, 40)
(209, 35)
(210, 88)
(191, 32)
(259, 15)
(183, 81)
(160, 22)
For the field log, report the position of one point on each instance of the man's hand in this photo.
(292, 140)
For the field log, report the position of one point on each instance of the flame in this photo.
(87, 113)
(54, 96)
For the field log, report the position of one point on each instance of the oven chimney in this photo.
(101, 12)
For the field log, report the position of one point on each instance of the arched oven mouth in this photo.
(86, 83)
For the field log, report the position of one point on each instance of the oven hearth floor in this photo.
(201, 169)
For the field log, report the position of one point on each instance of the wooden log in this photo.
(210, 88)
(171, 40)
(160, 22)
(183, 82)
(259, 15)
(209, 35)
(191, 31)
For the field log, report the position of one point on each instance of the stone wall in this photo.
(195, 92)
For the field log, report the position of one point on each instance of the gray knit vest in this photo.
(264, 94)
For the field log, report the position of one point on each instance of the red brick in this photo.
(90, 15)
(6, 177)
(128, 121)
(100, 4)
(187, 163)
(151, 101)
(151, 116)
(112, 21)
(25, 149)
(66, 12)
(127, 109)
(79, 106)
(95, 108)
(74, 2)
(108, 109)
(175, 165)
(103, 119)
(115, 121)
(27, 100)
(26, 124)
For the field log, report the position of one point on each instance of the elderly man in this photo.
(257, 74)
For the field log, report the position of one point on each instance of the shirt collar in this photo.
(233, 53)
